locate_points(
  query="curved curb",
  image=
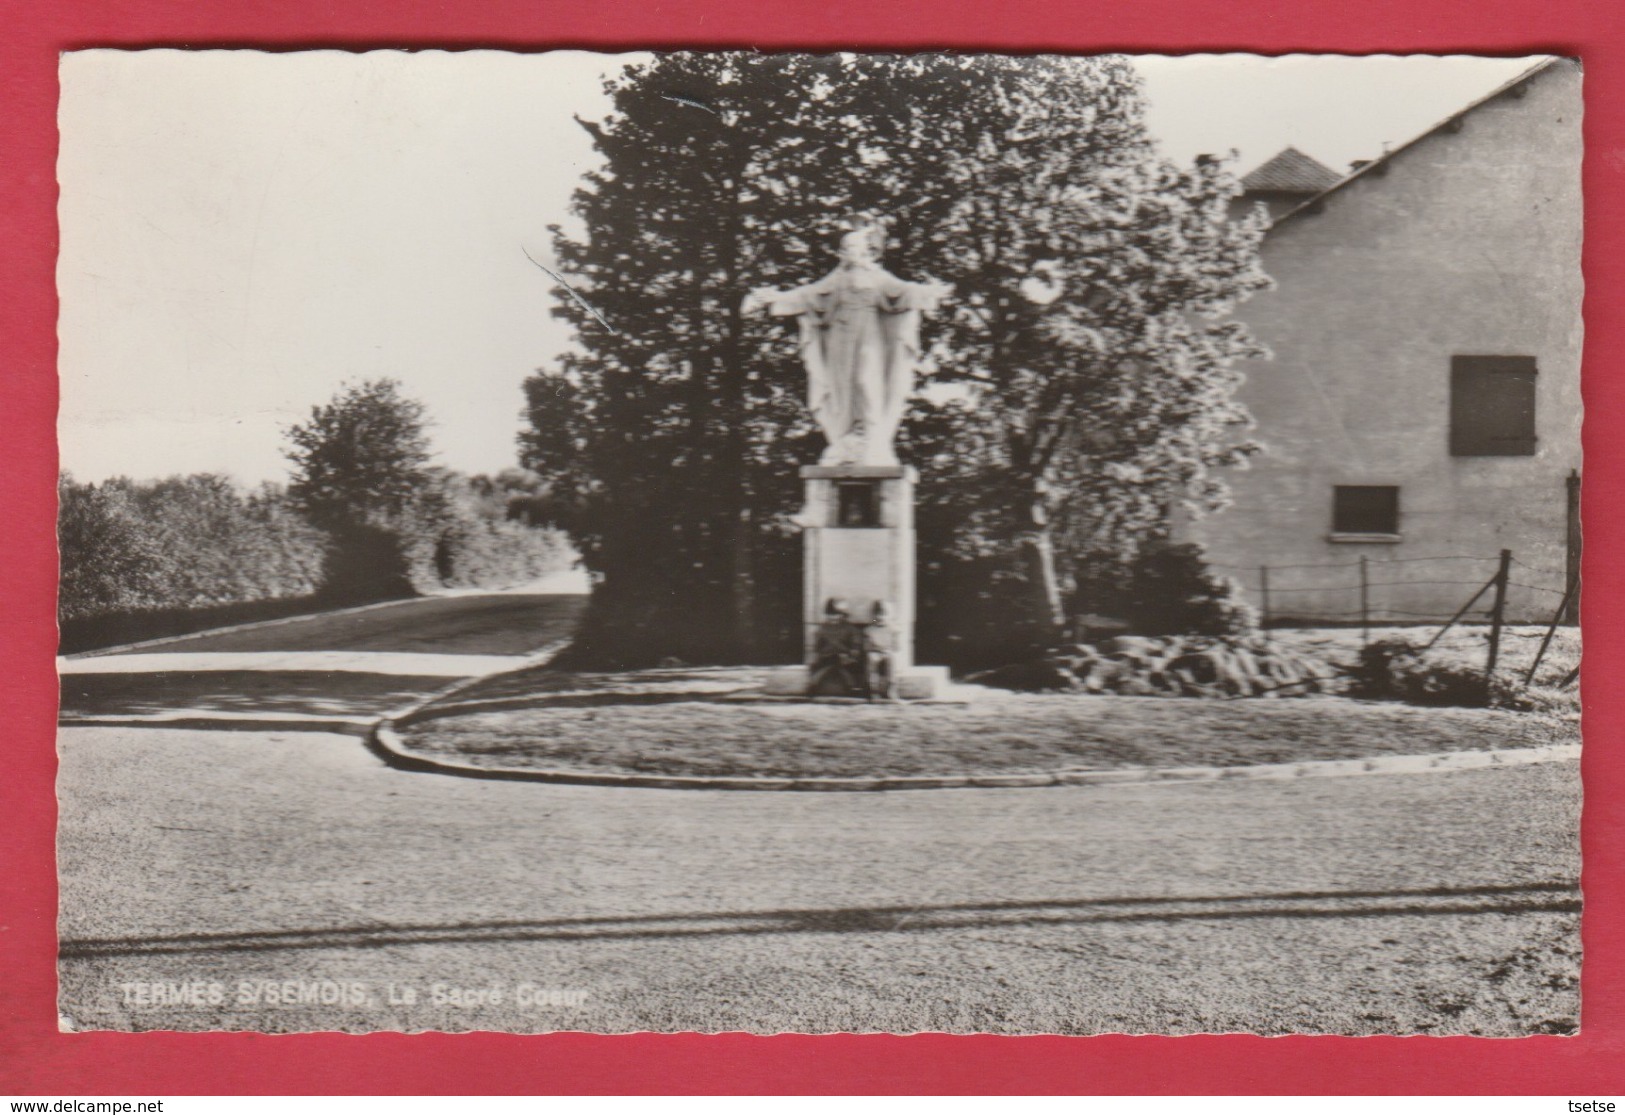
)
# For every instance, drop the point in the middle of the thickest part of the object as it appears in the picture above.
(412, 709)
(386, 743)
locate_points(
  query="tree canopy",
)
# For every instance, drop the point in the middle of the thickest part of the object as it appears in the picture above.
(363, 456)
(362, 473)
(1077, 386)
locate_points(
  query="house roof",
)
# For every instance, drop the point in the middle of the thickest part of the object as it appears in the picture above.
(1290, 172)
(1380, 166)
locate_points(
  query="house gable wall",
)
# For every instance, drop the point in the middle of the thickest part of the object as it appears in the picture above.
(1466, 243)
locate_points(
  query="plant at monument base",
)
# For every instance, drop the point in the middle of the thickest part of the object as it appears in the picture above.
(361, 472)
(1086, 353)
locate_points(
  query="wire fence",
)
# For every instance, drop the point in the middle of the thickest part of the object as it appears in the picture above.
(1542, 599)
(1369, 591)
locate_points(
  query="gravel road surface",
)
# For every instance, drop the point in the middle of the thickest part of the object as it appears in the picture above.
(278, 877)
(238, 863)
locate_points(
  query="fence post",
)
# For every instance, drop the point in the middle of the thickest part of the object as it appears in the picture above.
(1264, 599)
(1365, 611)
(1497, 611)
(1463, 610)
(1575, 541)
(1557, 618)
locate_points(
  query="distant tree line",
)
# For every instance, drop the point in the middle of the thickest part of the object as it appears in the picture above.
(366, 517)
(1079, 384)
(183, 542)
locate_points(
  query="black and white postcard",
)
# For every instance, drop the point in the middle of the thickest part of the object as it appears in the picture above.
(819, 543)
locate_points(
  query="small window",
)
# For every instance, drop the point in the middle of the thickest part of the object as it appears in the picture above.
(1365, 510)
(858, 503)
(1492, 406)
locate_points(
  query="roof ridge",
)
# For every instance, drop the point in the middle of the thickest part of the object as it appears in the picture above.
(1290, 170)
(1376, 165)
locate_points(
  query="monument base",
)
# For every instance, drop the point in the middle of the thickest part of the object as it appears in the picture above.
(858, 546)
(917, 683)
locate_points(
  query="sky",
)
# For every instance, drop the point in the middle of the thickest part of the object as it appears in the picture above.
(243, 232)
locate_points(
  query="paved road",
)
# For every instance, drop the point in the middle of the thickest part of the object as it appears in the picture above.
(245, 865)
(337, 672)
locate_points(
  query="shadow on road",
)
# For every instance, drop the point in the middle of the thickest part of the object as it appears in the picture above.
(1554, 897)
(267, 692)
(387, 657)
(460, 706)
(507, 623)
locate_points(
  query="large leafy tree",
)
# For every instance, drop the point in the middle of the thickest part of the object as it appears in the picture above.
(668, 442)
(1090, 334)
(363, 455)
(1082, 371)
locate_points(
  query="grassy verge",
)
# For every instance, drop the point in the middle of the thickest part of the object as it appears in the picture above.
(683, 722)
(1465, 645)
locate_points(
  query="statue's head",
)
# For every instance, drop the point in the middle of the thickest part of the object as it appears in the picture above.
(837, 607)
(862, 244)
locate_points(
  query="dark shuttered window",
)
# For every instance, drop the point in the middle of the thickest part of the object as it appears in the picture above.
(1492, 406)
(1365, 510)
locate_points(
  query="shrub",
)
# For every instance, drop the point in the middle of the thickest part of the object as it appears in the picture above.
(1169, 666)
(479, 538)
(1398, 670)
(975, 612)
(200, 543)
(181, 543)
(1167, 589)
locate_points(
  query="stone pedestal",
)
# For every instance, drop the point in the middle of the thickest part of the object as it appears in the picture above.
(858, 544)
(858, 539)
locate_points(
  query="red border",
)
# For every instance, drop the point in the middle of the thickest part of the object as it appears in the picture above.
(35, 1059)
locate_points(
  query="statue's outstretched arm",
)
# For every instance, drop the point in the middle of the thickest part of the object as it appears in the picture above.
(927, 295)
(901, 296)
(783, 303)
